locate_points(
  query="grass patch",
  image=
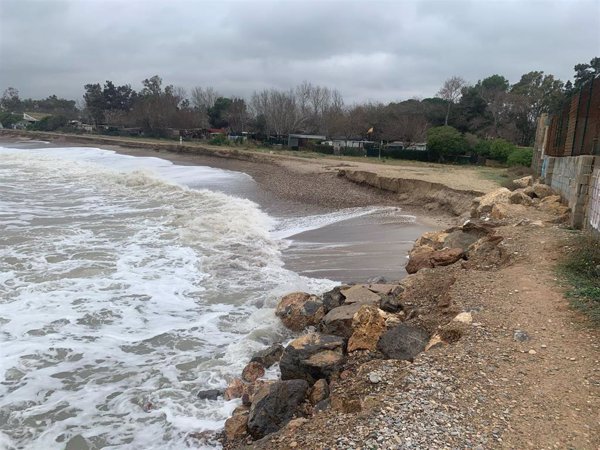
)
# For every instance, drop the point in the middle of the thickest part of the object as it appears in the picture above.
(581, 270)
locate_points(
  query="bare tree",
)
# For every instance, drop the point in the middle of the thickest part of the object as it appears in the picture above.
(203, 99)
(451, 92)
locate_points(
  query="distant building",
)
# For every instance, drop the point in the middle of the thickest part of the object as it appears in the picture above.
(34, 117)
(399, 145)
(79, 125)
(297, 141)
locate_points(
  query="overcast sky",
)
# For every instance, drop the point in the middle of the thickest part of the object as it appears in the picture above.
(369, 50)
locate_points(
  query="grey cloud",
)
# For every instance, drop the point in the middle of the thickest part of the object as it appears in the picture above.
(368, 50)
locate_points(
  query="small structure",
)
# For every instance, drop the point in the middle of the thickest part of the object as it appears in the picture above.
(297, 141)
(416, 146)
(34, 117)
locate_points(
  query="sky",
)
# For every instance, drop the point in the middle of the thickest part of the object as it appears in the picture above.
(368, 50)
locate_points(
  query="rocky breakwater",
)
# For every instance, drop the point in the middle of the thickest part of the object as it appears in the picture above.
(356, 338)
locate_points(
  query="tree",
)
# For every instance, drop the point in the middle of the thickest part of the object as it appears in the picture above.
(586, 72)
(218, 113)
(237, 115)
(493, 90)
(451, 91)
(444, 142)
(10, 101)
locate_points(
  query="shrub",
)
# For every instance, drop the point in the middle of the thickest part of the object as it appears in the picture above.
(325, 149)
(446, 141)
(50, 123)
(219, 139)
(520, 157)
(500, 149)
(396, 153)
(482, 148)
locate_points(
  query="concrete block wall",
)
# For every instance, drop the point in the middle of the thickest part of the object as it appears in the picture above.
(593, 218)
(575, 178)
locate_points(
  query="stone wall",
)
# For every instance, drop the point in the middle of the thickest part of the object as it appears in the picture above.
(576, 179)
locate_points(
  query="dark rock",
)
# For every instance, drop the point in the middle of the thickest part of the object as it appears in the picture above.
(274, 406)
(322, 405)
(403, 342)
(210, 394)
(333, 299)
(300, 310)
(312, 357)
(360, 294)
(390, 303)
(268, 356)
(338, 321)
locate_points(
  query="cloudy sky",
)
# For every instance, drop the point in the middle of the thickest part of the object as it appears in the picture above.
(369, 50)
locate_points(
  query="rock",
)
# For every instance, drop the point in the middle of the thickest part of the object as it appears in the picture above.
(338, 321)
(234, 390)
(520, 336)
(435, 341)
(236, 428)
(77, 442)
(403, 342)
(532, 352)
(333, 298)
(432, 239)
(374, 378)
(312, 357)
(486, 253)
(422, 260)
(359, 294)
(242, 409)
(268, 356)
(299, 310)
(464, 317)
(465, 236)
(390, 303)
(519, 198)
(529, 192)
(274, 406)
(542, 190)
(553, 205)
(322, 405)
(252, 372)
(209, 394)
(368, 324)
(487, 202)
(523, 182)
(319, 392)
(376, 280)
(386, 289)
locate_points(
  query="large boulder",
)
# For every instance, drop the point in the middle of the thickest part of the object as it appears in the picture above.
(403, 342)
(274, 406)
(333, 299)
(359, 294)
(312, 357)
(386, 288)
(299, 310)
(319, 392)
(520, 198)
(430, 259)
(523, 182)
(268, 356)
(236, 428)
(553, 205)
(542, 190)
(368, 324)
(252, 372)
(487, 202)
(338, 321)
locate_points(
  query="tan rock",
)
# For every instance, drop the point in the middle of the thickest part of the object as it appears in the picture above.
(486, 203)
(319, 392)
(422, 260)
(299, 310)
(464, 317)
(433, 239)
(236, 428)
(523, 182)
(542, 190)
(519, 198)
(502, 211)
(252, 372)
(234, 390)
(359, 294)
(368, 324)
(435, 341)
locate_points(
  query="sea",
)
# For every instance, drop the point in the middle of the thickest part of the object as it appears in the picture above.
(129, 284)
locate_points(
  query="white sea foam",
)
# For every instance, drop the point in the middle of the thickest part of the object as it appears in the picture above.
(123, 292)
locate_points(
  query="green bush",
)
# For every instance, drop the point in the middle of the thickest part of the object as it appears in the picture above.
(325, 149)
(352, 151)
(444, 142)
(50, 123)
(482, 148)
(520, 157)
(500, 149)
(219, 139)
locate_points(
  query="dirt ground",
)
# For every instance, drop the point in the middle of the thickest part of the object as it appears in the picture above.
(489, 390)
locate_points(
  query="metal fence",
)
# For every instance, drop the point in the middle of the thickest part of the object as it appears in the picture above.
(576, 129)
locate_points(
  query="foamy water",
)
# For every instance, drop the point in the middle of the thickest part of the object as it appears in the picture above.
(127, 285)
